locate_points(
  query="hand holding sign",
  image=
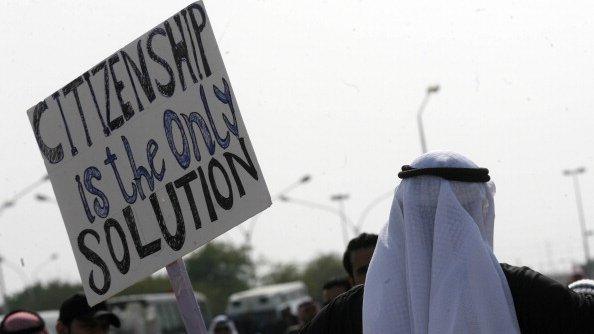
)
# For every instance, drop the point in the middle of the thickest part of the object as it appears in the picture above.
(148, 154)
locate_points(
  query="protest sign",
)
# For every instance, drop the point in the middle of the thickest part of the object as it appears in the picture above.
(148, 154)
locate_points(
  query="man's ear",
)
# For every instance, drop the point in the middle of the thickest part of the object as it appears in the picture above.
(61, 328)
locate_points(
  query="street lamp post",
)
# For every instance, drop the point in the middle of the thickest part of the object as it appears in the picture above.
(340, 198)
(22, 274)
(574, 173)
(11, 202)
(370, 206)
(430, 90)
(35, 273)
(314, 205)
(7, 204)
(249, 230)
(3, 294)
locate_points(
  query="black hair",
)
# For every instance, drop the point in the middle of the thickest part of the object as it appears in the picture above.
(364, 240)
(342, 281)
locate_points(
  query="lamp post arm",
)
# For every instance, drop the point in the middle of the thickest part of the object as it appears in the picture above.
(319, 206)
(370, 206)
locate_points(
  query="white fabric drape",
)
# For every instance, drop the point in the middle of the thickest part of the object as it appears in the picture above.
(433, 270)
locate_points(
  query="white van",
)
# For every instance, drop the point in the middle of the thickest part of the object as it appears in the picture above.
(51, 319)
(155, 313)
(257, 309)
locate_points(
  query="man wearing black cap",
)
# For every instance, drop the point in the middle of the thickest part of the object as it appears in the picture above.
(77, 317)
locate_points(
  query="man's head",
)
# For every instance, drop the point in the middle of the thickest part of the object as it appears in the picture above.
(222, 328)
(306, 311)
(221, 324)
(334, 288)
(22, 322)
(357, 257)
(77, 317)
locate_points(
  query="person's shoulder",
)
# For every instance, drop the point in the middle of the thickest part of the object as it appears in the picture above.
(344, 312)
(526, 277)
(510, 270)
(354, 295)
(526, 283)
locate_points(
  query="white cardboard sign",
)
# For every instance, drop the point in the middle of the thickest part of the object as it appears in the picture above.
(148, 155)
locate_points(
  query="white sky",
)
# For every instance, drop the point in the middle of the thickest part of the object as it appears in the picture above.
(331, 89)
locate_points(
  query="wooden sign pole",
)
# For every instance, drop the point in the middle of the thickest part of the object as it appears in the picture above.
(186, 300)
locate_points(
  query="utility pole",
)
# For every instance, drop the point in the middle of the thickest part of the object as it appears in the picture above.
(430, 90)
(340, 198)
(3, 306)
(574, 173)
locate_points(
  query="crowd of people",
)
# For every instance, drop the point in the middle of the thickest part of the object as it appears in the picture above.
(430, 270)
(76, 317)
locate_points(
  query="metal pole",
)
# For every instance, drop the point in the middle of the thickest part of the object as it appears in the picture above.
(578, 200)
(186, 300)
(370, 206)
(35, 273)
(420, 123)
(3, 206)
(11, 202)
(343, 222)
(3, 305)
(574, 173)
(314, 205)
(340, 198)
(430, 90)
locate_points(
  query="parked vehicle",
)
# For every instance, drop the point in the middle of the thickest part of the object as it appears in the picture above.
(50, 318)
(151, 313)
(259, 309)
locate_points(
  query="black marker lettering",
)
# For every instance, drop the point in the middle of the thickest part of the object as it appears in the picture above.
(123, 264)
(180, 52)
(73, 149)
(247, 166)
(206, 192)
(87, 77)
(184, 14)
(94, 258)
(142, 250)
(225, 202)
(198, 28)
(126, 107)
(176, 241)
(184, 182)
(73, 87)
(167, 89)
(142, 75)
(52, 154)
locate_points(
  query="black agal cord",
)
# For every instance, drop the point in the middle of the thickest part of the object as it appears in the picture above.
(448, 173)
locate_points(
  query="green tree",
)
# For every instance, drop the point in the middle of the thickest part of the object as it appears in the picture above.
(43, 297)
(219, 269)
(150, 284)
(282, 273)
(321, 269)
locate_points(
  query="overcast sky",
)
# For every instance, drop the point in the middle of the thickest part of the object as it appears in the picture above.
(331, 89)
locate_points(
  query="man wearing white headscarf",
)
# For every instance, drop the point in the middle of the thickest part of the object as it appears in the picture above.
(221, 324)
(434, 271)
